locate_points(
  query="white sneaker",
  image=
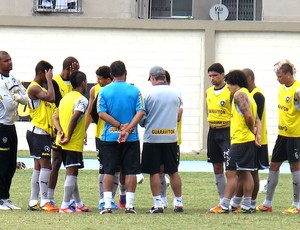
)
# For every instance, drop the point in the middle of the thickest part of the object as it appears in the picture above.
(140, 178)
(10, 205)
(3, 206)
(165, 202)
(167, 181)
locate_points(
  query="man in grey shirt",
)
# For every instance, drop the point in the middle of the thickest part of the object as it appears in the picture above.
(159, 154)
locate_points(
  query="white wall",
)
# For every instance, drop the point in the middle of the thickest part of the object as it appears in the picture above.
(287, 10)
(181, 53)
(260, 51)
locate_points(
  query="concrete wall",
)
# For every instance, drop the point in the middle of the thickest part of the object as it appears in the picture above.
(202, 8)
(109, 9)
(260, 51)
(90, 8)
(185, 48)
(16, 7)
(281, 10)
(140, 49)
(272, 10)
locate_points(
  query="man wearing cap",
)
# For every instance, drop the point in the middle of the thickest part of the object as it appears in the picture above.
(162, 104)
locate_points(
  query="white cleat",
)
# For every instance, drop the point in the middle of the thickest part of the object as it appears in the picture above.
(140, 178)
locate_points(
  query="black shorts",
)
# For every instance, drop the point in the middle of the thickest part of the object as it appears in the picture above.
(262, 157)
(218, 143)
(71, 158)
(97, 142)
(39, 145)
(57, 149)
(116, 155)
(241, 157)
(178, 155)
(286, 148)
(156, 154)
(99, 155)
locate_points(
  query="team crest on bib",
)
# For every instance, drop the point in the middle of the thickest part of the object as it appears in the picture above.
(47, 149)
(296, 154)
(287, 99)
(222, 103)
(14, 81)
(4, 139)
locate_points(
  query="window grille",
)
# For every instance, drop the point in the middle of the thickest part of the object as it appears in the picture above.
(171, 8)
(240, 9)
(64, 6)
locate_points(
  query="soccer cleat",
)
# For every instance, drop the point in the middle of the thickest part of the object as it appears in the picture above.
(48, 207)
(233, 208)
(263, 208)
(101, 206)
(73, 204)
(167, 181)
(66, 210)
(253, 210)
(106, 211)
(139, 178)
(10, 205)
(154, 210)
(242, 211)
(53, 203)
(83, 209)
(178, 209)
(114, 206)
(35, 207)
(130, 211)
(69, 210)
(20, 165)
(122, 202)
(218, 210)
(292, 210)
(165, 204)
(3, 206)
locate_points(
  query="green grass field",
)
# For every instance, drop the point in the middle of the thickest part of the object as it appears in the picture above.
(199, 194)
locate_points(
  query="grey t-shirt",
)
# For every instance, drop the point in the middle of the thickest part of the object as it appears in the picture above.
(162, 103)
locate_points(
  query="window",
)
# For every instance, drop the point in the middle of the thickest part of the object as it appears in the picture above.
(241, 9)
(171, 9)
(57, 6)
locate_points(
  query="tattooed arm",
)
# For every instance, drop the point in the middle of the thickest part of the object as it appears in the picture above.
(242, 101)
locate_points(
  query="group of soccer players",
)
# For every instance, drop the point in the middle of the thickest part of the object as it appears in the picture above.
(236, 113)
(61, 114)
